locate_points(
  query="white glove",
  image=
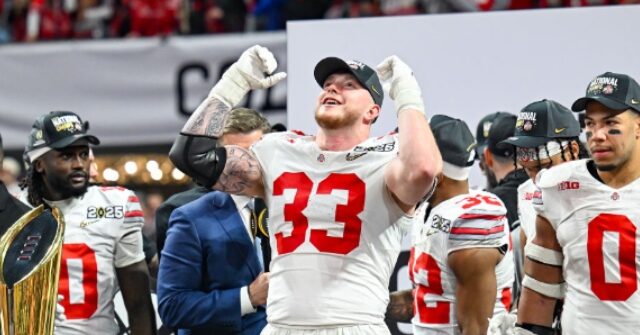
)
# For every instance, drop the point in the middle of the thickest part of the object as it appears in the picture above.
(60, 310)
(402, 86)
(253, 70)
(502, 324)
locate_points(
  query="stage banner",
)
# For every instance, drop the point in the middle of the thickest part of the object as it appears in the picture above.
(132, 92)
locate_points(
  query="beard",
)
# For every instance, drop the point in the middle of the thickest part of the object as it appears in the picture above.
(492, 181)
(334, 120)
(606, 167)
(64, 187)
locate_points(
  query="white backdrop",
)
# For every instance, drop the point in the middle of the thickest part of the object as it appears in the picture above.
(470, 65)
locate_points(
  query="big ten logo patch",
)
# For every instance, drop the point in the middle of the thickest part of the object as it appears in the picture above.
(108, 212)
(568, 185)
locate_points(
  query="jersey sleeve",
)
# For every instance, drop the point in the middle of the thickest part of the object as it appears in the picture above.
(526, 212)
(481, 223)
(129, 245)
(547, 183)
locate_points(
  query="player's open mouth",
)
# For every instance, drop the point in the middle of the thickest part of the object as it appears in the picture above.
(330, 101)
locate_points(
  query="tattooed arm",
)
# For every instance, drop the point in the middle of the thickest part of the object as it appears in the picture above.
(208, 119)
(196, 152)
(241, 174)
(400, 306)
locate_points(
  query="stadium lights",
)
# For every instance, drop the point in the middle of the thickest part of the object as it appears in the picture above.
(131, 167)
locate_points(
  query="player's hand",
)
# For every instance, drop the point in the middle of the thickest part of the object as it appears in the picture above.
(253, 70)
(502, 324)
(259, 289)
(60, 310)
(403, 88)
(256, 66)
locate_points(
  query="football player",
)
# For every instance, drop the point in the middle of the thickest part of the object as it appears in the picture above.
(102, 250)
(585, 248)
(461, 262)
(334, 198)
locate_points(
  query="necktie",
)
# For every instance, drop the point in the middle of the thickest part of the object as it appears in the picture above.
(261, 228)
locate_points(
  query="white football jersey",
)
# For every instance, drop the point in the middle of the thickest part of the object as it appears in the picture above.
(526, 213)
(102, 233)
(597, 228)
(474, 220)
(334, 236)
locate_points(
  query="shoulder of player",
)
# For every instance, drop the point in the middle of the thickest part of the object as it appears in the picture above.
(284, 136)
(527, 186)
(549, 179)
(478, 209)
(113, 194)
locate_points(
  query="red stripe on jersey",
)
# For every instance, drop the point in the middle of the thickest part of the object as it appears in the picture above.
(506, 298)
(477, 231)
(110, 188)
(132, 214)
(482, 217)
(133, 198)
(298, 132)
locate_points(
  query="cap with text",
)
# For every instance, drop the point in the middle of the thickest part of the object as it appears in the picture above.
(366, 76)
(482, 131)
(540, 122)
(56, 130)
(614, 90)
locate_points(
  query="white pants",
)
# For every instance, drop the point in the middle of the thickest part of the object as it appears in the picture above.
(350, 330)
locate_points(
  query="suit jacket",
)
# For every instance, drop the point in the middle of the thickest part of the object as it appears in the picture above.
(11, 209)
(164, 212)
(207, 258)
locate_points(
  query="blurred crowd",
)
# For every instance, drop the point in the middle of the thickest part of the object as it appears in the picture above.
(38, 20)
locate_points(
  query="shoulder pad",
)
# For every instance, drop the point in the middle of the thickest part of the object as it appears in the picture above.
(551, 177)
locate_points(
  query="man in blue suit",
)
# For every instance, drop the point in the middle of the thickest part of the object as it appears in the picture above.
(210, 279)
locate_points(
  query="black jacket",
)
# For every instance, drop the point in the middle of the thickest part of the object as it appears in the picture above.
(11, 209)
(507, 191)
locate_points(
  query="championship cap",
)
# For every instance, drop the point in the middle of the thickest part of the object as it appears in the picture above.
(482, 131)
(456, 144)
(501, 129)
(540, 122)
(366, 76)
(56, 130)
(614, 90)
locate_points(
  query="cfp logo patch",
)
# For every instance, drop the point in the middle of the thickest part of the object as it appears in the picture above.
(441, 224)
(385, 147)
(109, 212)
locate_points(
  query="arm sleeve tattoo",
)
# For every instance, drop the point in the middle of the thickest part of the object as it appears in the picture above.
(241, 172)
(208, 118)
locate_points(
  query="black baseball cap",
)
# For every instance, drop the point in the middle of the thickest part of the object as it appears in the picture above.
(541, 121)
(614, 90)
(366, 76)
(454, 139)
(56, 130)
(502, 128)
(482, 131)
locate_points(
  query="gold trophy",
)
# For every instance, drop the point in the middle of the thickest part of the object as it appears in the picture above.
(29, 269)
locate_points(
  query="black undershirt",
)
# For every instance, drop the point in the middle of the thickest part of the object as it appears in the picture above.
(591, 167)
